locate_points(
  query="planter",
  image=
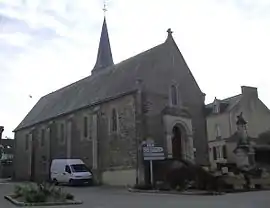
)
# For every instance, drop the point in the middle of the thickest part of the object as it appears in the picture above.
(23, 204)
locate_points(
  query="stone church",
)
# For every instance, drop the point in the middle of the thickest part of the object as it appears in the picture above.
(104, 118)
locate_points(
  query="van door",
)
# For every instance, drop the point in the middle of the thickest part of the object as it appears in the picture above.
(66, 174)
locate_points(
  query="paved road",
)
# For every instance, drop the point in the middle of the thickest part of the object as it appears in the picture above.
(98, 197)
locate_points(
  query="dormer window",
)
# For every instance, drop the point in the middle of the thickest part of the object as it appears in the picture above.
(216, 106)
(174, 97)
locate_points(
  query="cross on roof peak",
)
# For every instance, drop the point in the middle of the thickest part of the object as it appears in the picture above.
(169, 31)
(104, 7)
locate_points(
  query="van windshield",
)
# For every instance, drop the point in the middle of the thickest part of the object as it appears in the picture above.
(79, 168)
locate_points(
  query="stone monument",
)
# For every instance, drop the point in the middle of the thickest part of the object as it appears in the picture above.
(245, 153)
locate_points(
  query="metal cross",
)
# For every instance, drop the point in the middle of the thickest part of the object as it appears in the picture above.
(104, 6)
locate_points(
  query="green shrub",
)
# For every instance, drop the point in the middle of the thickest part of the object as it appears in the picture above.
(69, 196)
(18, 191)
(35, 196)
(34, 193)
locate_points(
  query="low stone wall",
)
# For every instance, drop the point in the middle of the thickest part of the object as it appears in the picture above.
(119, 177)
(237, 183)
(263, 182)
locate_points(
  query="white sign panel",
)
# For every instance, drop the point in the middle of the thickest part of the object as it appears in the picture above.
(153, 153)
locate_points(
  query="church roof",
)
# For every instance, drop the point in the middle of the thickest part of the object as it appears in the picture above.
(111, 82)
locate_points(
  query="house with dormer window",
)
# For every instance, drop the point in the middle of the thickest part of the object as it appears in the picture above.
(221, 117)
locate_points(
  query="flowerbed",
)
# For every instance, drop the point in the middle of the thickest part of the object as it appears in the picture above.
(40, 195)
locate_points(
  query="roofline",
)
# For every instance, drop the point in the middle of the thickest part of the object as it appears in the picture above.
(223, 100)
(87, 106)
(185, 63)
(226, 112)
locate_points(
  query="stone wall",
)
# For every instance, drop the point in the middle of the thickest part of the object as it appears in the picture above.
(114, 149)
(155, 103)
(21, 156)
(117, 150)
(157, 81)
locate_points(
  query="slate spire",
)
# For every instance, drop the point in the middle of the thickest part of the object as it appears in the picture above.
(104, 56)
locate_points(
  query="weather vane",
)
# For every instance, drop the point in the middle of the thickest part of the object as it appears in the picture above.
(104, 6)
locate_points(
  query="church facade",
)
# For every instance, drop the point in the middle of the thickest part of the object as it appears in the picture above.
(104, 118)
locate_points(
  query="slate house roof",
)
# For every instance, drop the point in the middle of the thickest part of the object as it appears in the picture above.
(105, 83)
(225, 105)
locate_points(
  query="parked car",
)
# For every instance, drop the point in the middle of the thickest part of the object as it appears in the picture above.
(70, 171)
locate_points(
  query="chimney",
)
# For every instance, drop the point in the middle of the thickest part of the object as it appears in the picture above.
(1, 131)
(249, 91)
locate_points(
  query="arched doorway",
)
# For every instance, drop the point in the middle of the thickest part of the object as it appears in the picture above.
(177, 143)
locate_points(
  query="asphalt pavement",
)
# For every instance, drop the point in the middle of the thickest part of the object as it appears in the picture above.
(109, 197)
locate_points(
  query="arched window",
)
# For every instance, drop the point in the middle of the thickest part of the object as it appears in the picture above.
(174, 100)
(114, 120)
(85, 126)
(42, 140)
(61, 133)
(26, 141)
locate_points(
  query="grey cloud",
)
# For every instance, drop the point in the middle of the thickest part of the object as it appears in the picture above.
(8, 49)
(13, 25)
(254, 8)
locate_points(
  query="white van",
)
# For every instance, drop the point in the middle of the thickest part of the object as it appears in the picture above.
(70, 171)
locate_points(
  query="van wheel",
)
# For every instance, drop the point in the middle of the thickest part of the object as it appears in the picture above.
(71, 182)
(55, 182)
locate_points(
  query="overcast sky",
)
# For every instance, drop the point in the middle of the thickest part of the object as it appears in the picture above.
(47, 44)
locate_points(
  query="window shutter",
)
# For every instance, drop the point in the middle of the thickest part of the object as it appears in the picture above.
(174, 95)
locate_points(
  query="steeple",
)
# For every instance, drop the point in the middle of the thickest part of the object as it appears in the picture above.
(104, 56)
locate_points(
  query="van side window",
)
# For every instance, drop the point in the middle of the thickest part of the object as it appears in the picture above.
(67, 169)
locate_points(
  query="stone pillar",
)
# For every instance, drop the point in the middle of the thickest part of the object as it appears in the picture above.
(169, 145)
(141, 131)
(69, 138)
(94, 143)
(30, 143)
(190, 148)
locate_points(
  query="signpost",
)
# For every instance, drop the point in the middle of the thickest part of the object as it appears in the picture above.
(150, 153)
